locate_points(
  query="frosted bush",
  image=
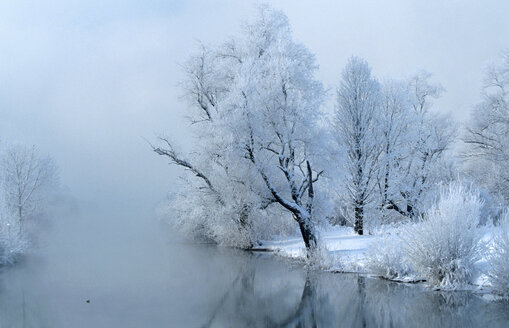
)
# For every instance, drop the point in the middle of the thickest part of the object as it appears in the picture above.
(386, 258)
(499, 259)
(445, 244)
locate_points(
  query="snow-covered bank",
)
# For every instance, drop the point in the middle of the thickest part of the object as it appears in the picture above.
(349, 252)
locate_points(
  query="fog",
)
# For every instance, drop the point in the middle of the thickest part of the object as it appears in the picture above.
(89, 81)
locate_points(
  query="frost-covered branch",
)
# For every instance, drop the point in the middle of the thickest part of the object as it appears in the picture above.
(175, 159)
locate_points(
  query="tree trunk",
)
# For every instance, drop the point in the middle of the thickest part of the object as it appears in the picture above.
(359, 220)
(245, 225)
(410, 210)
(308, 234)
(20, 214)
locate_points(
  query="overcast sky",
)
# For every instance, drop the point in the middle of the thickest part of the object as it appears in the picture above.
(88, 80)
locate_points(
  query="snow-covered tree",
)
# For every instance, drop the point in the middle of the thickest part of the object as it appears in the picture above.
(25, 175)
(487, 136)
(257, 104)
(358, 102)
(217, 199)
(432, 135)
(277, 103)
(394, 125)
(394, 146)
(414, 144)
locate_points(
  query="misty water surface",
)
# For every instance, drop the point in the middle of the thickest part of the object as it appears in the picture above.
(135, 275)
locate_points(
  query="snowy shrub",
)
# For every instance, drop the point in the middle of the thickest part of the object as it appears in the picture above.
(319, 257)
(445, 244)
(499, 259)
(386, 258)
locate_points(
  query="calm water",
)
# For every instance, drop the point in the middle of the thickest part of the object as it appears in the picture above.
(135, 277)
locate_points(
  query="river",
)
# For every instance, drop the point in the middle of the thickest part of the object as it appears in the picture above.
(125, 270)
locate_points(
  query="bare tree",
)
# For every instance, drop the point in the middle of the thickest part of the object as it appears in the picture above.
(394, 125)
(487, 136)
(26, 173)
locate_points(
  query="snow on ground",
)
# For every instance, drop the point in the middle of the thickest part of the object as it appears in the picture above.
(348, 252)
(346, 249)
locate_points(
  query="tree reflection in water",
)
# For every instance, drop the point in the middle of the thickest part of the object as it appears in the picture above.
(267, 295)
(222, 287)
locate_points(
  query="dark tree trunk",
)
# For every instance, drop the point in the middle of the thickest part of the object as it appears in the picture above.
(307, 234)
(359, 199)
(359, 220)
(245, 224)
(244, 217)
(20, 218)
(410, 210)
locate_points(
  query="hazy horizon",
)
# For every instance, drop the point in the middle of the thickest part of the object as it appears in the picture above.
(89, 81)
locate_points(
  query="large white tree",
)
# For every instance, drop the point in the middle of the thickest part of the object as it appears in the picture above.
(277, 102)
(256, 105)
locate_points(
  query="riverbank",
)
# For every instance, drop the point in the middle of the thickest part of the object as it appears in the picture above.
(347, 252)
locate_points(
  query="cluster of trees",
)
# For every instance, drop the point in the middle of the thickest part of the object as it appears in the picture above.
(394, 147)
(26, 178)
(268, 161)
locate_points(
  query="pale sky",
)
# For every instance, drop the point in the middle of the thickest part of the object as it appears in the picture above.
(88, 80)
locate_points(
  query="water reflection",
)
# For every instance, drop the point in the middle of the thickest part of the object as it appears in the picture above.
(135, 277)
(268, 295)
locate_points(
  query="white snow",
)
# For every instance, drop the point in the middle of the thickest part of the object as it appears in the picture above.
(345, 248)
(349, 252)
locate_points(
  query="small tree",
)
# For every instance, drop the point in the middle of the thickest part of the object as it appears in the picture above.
(25, 174)
(394, 124)
(487, 136)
